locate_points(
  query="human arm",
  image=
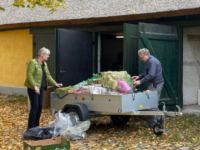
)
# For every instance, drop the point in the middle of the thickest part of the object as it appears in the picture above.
(151, 72)
(30, 76)
(135, 77)
(50, 79)
(138, 77)
(37, 91)
(30, 72)
(136, 83)
(141, 75)
(59, 85)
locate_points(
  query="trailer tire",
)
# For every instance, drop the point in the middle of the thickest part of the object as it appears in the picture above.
(120, 120)
(74, 115)
(156, 128)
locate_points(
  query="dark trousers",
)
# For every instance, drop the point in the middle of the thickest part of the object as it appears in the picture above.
(36, 108)
(152, 120)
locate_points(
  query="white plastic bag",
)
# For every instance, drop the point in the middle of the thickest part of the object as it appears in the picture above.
(61, 123)
(63, 126)
(77, 131)
(104, 91)
(93, 89)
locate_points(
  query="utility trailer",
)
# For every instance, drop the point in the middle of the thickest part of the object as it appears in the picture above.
(82, 107)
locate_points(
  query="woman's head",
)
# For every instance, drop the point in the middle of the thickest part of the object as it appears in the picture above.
(44, 53)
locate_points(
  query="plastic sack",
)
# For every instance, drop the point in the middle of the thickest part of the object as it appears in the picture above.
(38, 133)
(75, 136)
(78, 92)
(77, 131)
(124, 87)
(63, 126)
(61, 123)
(104, 91)
(93, 89)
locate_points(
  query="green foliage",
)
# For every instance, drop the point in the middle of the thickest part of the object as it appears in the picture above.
(51, 4)
(2, 8)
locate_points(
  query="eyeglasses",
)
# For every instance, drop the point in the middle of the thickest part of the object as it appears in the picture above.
(142, 57)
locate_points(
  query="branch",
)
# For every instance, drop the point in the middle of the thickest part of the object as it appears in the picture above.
(1, 8)
(51, 4)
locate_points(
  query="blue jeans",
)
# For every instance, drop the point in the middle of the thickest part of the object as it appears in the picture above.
(36, 107)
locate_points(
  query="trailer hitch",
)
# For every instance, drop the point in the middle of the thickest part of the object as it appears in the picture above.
(179, 113)
(179, 109)
(164, 107)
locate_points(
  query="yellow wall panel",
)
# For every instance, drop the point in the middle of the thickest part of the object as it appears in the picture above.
(16, 48)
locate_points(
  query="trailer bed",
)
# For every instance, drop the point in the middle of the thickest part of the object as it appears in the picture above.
(108, 103)
(119, 107)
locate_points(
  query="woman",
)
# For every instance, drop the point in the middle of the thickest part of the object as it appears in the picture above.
(36, 82)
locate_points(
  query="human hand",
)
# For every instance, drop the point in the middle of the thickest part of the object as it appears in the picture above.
(135, 77)
(136, 83)
(37, 91)
(59, 85)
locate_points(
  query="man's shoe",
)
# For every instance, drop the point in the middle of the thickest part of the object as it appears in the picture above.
(148, 126)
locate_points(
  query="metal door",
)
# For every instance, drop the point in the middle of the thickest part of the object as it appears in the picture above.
(74, 56)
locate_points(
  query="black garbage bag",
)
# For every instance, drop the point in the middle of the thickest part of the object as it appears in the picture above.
(38, 133)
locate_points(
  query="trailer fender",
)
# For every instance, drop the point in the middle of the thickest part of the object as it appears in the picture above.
(82, 110)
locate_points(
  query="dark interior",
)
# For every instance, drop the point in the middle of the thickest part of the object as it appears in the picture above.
(111, 51)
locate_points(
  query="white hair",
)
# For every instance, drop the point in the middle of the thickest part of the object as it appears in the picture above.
(143, 51)
(43, 51)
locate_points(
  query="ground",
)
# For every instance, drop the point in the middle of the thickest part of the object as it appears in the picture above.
(181, 132)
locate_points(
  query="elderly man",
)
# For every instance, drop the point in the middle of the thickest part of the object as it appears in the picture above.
(153, 75)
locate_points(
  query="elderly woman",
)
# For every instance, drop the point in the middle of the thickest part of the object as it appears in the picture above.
(36, 82)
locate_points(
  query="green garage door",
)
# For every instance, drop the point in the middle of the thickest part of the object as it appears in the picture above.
(165, 43)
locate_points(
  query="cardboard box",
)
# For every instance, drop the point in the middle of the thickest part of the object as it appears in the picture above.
(57, 143)
(46, 98)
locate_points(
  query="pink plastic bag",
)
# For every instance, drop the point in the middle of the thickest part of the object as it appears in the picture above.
(78, 92)
(123, 86)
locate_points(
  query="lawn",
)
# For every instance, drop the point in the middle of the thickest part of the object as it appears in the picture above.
(181, 133)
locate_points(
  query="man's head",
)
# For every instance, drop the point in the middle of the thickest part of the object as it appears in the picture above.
(143, 54)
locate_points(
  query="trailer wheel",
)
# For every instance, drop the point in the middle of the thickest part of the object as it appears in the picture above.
(120, 120)
(74, 115)
(156, 128)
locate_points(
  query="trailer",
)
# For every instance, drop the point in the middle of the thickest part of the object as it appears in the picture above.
(82, 107)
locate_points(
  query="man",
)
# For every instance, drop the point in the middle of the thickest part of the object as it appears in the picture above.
(152, 75)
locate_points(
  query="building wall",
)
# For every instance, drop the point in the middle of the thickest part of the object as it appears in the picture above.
(191, 65)
(15, 50)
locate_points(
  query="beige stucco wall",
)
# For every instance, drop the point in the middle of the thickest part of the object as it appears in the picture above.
(191, 65)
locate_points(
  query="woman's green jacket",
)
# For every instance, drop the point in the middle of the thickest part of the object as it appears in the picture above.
(34, 74)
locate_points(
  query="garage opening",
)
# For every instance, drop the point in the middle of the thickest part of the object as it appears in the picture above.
(111, 51)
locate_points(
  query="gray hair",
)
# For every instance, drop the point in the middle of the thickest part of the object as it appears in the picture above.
(43, 51)
(143, 51)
